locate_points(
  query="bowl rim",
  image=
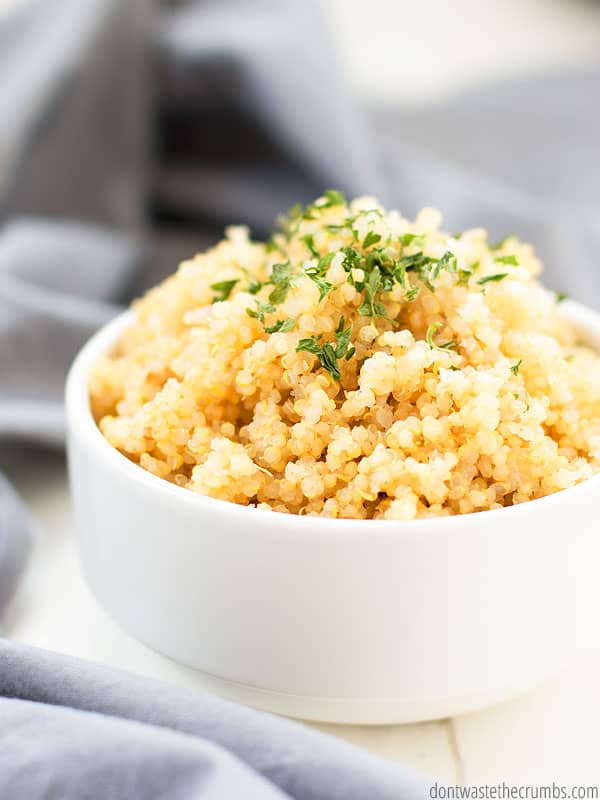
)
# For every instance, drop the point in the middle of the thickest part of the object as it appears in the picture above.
(82, 426)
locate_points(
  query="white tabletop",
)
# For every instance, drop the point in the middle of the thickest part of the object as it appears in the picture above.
(549, 734)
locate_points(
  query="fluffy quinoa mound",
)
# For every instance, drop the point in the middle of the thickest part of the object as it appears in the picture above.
(357, 365)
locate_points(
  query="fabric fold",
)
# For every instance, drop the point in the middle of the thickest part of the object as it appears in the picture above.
(302, 763)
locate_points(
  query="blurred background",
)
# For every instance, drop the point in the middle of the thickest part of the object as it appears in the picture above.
(425, 52)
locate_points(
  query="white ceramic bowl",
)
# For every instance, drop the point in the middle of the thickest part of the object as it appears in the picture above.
(336, 620)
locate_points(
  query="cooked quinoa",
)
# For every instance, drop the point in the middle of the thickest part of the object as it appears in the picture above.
(358, 365)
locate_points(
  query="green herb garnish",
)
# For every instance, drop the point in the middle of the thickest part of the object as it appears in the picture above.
(492, 278)
(324, 286)
(342, 335)
(224, 289)
(510, 259)
(515, 367)
(370, 239)
(333, 197)
(431, 331)
(309, 241)
(283, 278)
(327, 354)
(412, 238)
(282, 325)
(370, 307)
(447, 262)
(254, 286)
(260, 310)
(561, 297)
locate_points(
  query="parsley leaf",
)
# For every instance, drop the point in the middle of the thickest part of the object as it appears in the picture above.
(261, 310)
(311, 345)
(325, 261)
(309, 241)
(447, 261)
(463, 276)
(283, 278)
(515, 367)
(510, 259)
(283, 325)
(368, 308)
(327, 354)
(342, 337)
(412, 238)
(431, 331)
(254, 286)
(333, 197)
(224, 289)
(492, 278)
(370, 239)
(324, 286)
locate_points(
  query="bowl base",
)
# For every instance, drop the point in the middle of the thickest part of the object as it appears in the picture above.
(357, 711)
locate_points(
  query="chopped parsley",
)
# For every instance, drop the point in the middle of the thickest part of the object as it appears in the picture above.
(498, 276)
(317, 272)
(283, 278)
(431, 331)
(282, 325)
(515, 367)
(333, 197)
(260, 310)
(254, 286)
(374, 264)
(463, 276)
(510, 259)
(447, 261)
(407, 239)
(223, 289)
(561, 297)
(324, 286)
(327, 353)
(370, 239)
(309, 241)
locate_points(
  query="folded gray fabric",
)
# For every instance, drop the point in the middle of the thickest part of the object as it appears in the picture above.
(78, 731)
(253, 102)
(74, 107)
(16, 530)
(55, 283)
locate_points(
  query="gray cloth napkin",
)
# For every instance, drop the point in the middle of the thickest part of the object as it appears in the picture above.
(77, 731)
(119, 154)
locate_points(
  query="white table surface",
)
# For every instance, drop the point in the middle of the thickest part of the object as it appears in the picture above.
(552, 733)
